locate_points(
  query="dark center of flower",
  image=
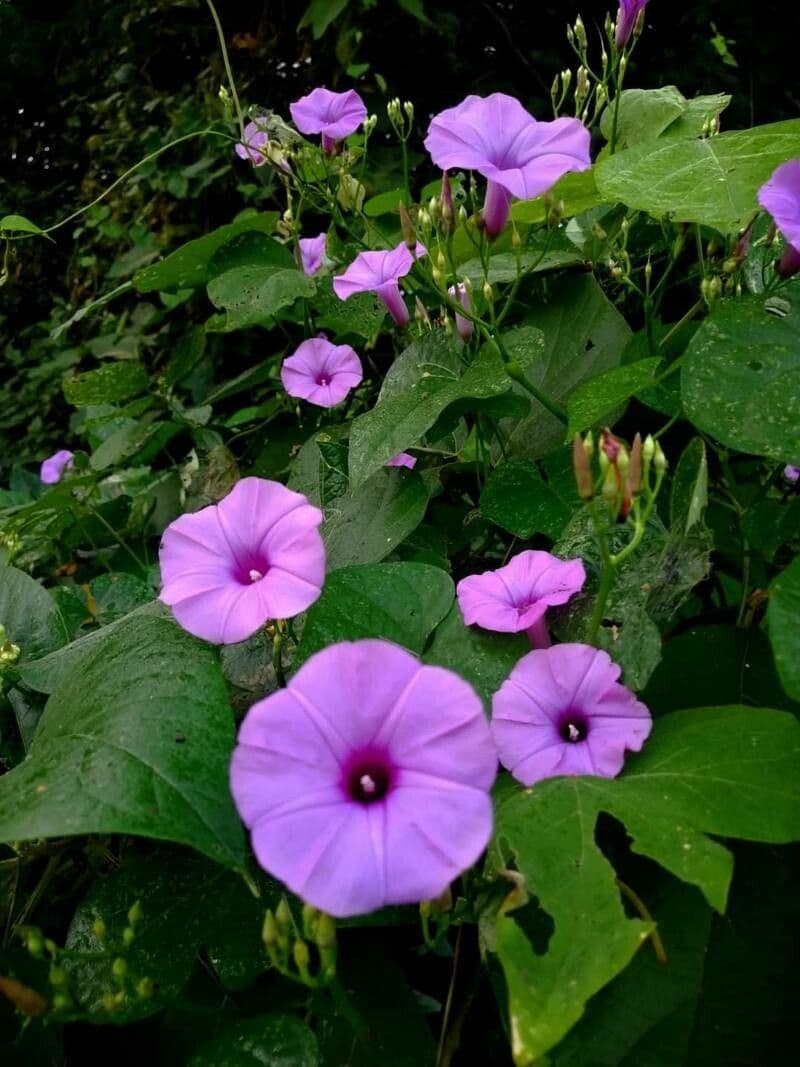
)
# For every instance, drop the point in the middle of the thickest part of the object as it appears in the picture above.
(573, 727)
(322, 379)
(369, 780)
(251, 570)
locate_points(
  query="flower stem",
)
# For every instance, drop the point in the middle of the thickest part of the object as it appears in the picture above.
(277, 649)
(641, 907)
(227, 62)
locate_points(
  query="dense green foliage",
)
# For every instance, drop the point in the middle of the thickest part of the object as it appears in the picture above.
(634, 921)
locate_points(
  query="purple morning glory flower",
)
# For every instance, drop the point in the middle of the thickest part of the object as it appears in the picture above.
(780, 196)
(378, 272)
(516, 597)
(312, 253)
(255, 139)
(464, 326)
(518, 156)
(626, 19)
(321, 373)
(229, 568)
(563, 711)
(365, 782)
(334, 115)
(791, 474)
(403, 459)
(54, 466)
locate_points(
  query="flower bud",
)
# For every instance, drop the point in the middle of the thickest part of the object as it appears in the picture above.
(580, 32)
(301, 954)
(62, 1002)
(325, 937)
(610, 489)
(516, 240)
(582, 469)
(310, 915)
(409, 236)
(369, 124)
(635, 468)
(408, 107)
(659, 460)
(488, 292)
(145, 988)
(648, 449)
(623, 461)
(555, 91)
(135, 912)
(447, 206)
(58, 976)
(128, 936)
(119, 968)
(34, 942)
(99, 929)
(269, 931)
(109, 1002)
(283, 914)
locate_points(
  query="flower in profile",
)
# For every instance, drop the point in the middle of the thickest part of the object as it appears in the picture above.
(627, 15)
(53, 467)
(365, 782)
(312, 253)
(516, 597)
(321, 373)
(791, 474)
(464, 326)
(334, 115)
(562, 710)
(518, 156)
(403, 459)
(379, 272)
(229, 568)
(253, 145)
(780, 196)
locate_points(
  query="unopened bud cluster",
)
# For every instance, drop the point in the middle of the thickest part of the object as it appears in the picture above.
(9, 652)
(625, 472)
(306, 954)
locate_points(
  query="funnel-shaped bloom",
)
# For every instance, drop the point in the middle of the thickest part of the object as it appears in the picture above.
(518, 156)
(365, 782)
(791, 474)
(54, 466)
(321, 373)
(334, 115)
(255, 556)
(312, 253)
(516, 597)
(403, 459)
(378, 272)
(626, 19)
(253, 145)
(780, 196)
(563, 711)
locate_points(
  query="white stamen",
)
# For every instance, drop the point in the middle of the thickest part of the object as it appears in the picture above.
(367, 783)
(573, 731)
(255, 576)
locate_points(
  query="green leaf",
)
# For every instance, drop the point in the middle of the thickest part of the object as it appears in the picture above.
(596, 398)
(362, 314)
(367, 525)
(141, 439)
(116, 595)
(19, 224)
(729, 771)
(387, 203)
(717, 662)
(712, 181)
(320, 14)
(517, 498)
(403, 416)
(689, 491)
(584, 335)
(260, 1041)
(648, 113)
(252, 295)
(108, 384)
(484, 659)
(577, 191)
(549, 252)
(30, 616)
(187, 903)
(135, 740)
(783, 623)
(187, 266)
(401, 602)
(740, 380)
